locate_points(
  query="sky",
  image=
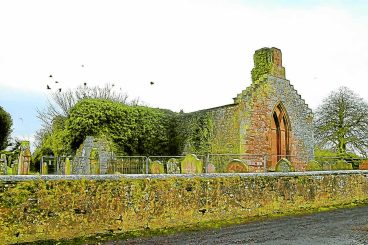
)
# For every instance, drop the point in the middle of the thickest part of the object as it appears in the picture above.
(199, 54)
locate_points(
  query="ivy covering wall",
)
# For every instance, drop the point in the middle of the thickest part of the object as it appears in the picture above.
(135, 130)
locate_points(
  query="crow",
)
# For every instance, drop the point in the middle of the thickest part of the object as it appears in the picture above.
(85, 84)
(152, 83)
(50, 76)
(48, 87)
(59, 90)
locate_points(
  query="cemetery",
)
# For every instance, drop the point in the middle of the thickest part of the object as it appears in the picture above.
(139, 170)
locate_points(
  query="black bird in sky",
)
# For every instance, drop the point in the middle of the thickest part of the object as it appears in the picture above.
(50, 76)
(85, 84)
(48, 87)
(56, 82)
(59, 90)
(152, 83)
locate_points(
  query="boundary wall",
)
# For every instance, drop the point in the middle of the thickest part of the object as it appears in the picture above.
(65, 207)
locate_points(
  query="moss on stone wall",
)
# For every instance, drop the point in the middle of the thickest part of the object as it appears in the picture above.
(209, 131)
(55, 209)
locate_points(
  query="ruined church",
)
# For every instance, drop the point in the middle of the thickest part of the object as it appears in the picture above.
(267, 118)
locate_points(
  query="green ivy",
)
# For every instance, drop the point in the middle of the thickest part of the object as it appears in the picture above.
(136, 130)
(262, 63)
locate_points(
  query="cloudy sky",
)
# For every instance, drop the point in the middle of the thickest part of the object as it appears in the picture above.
(198, 53)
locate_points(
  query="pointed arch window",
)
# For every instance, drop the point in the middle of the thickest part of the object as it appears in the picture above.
(280, 133)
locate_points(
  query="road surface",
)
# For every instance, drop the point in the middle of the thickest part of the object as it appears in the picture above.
(342, 226)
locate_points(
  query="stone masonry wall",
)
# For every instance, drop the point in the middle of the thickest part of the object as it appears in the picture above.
(257, 103)
(36, 208)
(245, 126)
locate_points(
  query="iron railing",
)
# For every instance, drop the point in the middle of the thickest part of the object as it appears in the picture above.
(211, 163)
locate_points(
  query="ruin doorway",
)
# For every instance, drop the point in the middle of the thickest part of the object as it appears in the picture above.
(280, 131)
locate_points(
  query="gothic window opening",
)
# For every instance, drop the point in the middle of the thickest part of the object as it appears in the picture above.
(280, 131)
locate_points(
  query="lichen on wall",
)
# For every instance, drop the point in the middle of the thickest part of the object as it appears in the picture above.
(244, 127)
(53, 209)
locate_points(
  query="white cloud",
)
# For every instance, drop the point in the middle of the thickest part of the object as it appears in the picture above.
(198, 53)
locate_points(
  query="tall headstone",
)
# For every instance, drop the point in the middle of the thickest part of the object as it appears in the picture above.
(68, 167)
(24, 159)
(3, 164)
(94, 161)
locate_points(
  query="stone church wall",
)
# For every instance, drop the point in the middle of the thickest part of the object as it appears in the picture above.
(245, 126)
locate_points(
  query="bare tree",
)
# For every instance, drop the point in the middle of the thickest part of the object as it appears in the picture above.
(61, 102)
(341, 122)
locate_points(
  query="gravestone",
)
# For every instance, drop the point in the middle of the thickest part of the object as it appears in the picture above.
(283, 165)
(363, 165)
(172, 166)
(68, 167)
(211, 168)
(3, 164)
(24, 158)
(237, 166)
(94, 161)
(44, 167)
(156, 167)
(191, 165)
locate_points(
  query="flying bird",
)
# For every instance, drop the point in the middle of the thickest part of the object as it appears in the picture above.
(152, 83)
(85, 84)
(50, 76)
(59, 90)
(56, 82)
(48, 87)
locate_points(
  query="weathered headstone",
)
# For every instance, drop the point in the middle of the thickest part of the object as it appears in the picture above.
(94, 161)
(68, 167)
(172, 166)
(24, 158)
(44, 167)
(191, 165)
(237, 166)
(283, 165)
(363, 165)
(3, 164)
(313, 166)
(14, 167)
(211, 168)
(156, 167)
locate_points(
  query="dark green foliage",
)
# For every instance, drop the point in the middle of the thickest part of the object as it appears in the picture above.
(136, 130)
(5, 128)
(341, 123)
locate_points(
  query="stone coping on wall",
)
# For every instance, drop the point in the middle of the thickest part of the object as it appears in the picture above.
(17, 178)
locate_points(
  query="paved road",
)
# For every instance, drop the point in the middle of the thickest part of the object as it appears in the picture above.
(343, 226)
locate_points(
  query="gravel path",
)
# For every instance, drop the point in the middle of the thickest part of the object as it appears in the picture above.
(342, 226)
